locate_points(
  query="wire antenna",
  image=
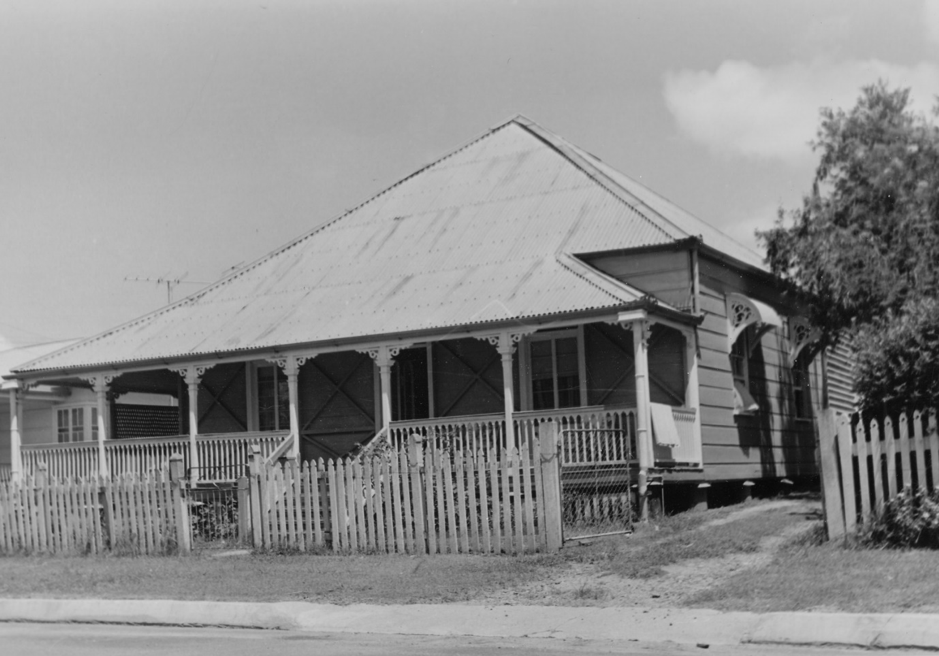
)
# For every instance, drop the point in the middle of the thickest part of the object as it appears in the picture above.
(170, 282)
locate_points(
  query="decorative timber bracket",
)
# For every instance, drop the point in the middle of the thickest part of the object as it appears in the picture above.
(291, 363)
(193, 373)
(384, 354)
(99, 382)
(505, 342)
(801, 334)
(742, 312)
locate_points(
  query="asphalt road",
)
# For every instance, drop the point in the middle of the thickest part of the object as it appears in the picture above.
(104, 640)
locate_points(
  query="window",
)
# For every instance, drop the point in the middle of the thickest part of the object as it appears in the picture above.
(739, 360)
(70, 425)
(744, 402)
(801, 390)
(409, 385)
(64, 425)
(94, 424)
(273, 399)
(555, 370)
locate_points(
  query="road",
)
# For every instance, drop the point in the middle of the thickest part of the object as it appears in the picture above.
(104, 640)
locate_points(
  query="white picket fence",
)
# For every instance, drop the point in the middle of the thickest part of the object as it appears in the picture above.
(866, 463)
(412, 500)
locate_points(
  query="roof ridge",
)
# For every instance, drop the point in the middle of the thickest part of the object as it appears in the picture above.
(561, 145)
(658, 195)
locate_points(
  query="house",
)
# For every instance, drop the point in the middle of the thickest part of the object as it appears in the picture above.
(514, 280)
(69, 415)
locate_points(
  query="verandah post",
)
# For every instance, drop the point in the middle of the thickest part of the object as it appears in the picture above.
(100, 383)
(506, 349)
(16, 459)
(640, 330)
(193, 376)
(551, 481)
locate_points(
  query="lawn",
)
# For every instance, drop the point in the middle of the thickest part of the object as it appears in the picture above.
(735, 558)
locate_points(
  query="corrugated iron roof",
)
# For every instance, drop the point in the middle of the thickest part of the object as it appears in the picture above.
(653, 205)
(10, 358)
(484, 234)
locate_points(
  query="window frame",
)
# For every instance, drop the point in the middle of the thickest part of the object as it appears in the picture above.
(746, 341)
(801, 372)
(278, 378)
(83, 431)
(525, 368)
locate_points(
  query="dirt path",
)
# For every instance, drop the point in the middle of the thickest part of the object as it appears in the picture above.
(589, 584)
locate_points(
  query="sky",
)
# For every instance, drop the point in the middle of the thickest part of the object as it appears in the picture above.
(144, 141)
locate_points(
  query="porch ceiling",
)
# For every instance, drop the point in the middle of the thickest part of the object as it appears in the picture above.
(483, 235)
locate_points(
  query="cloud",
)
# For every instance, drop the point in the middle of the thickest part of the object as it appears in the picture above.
(742, 224)
(772, 112)
(931, 19)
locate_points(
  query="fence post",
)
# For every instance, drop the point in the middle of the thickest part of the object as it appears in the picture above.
(831, 490)
(254, 495)
(417, 497)
(180, 504)
(551, 480)
(244, 512)
(105, 499)
(45, 523)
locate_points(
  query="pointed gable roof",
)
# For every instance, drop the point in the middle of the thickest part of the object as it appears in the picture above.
(484, 234)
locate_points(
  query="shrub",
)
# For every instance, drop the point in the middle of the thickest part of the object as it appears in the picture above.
(909, 520)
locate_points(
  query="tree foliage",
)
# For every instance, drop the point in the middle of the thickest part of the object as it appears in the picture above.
(864, 246)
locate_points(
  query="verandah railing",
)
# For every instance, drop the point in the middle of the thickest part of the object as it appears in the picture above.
(478, 433)
(222, 456)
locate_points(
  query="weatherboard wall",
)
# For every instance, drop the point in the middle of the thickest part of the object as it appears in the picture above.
(666, 275)
(771, 442)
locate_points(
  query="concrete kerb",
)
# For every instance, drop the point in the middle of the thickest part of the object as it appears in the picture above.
(682, 626)
(242, 615)
(883, 631)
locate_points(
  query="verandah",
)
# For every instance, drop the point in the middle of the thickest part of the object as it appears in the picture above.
(323, 403)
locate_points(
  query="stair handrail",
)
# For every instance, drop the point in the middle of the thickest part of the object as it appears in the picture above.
(280, 451)
(379, 441)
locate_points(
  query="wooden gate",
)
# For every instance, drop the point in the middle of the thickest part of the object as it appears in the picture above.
(595, 482)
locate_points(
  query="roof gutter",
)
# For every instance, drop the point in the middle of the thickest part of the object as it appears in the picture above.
(677, 245)
(646, 303)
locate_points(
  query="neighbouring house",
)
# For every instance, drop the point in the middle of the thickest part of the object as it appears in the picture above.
(69, 415)
(515, 280)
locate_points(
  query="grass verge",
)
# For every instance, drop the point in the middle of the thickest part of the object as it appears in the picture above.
(830, 577)
(379, 579)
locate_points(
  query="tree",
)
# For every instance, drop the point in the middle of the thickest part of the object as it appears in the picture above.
(864, 247)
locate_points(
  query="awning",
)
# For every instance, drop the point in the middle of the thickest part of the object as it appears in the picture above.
(743, 311)
(664, 429)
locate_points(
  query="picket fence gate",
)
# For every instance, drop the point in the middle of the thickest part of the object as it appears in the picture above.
(130, 514)
(866, 463)
(415, 501)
